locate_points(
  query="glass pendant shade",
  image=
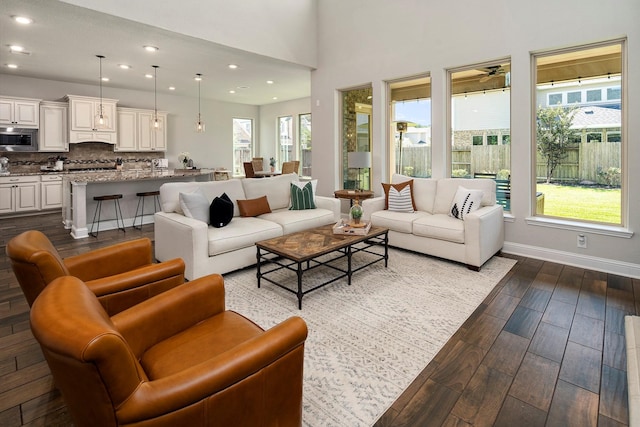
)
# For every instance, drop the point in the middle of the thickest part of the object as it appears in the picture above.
(156, 124)
(101, 121)
(199, 125)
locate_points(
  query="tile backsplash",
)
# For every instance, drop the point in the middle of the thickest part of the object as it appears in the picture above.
(83, 155)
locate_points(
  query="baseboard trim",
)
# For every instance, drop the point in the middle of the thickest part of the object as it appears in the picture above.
(588, 262)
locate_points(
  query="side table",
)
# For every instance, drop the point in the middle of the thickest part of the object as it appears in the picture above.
(353, 195)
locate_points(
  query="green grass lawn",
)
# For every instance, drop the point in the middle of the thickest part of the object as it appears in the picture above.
(585, 203)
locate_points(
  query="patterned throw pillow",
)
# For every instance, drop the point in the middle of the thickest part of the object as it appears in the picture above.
(398, 187)
(465, 202)
(221, 211)
(400, 201)
(302, 198)
(254, 207)
(195, 205)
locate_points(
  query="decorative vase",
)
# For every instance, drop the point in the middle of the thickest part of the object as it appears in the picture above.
(355, 212)
(273, 168)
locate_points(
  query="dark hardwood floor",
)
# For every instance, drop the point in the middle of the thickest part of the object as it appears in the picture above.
(545, 348)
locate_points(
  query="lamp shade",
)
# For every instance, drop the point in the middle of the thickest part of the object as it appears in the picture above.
(359, 159)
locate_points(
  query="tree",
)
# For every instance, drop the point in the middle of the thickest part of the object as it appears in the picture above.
(553, 135)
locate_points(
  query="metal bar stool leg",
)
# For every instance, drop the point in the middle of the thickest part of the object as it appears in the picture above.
(140, 200)
(118, 211)
(97, 212)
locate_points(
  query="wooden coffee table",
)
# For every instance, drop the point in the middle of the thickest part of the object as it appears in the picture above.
(299, 252)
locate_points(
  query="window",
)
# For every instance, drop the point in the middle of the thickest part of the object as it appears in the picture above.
(480, 97)
(285, 138)
(410, 127)
(356, 135)
(555, 98)
(574, 97)
(242, 144)
(613, 93)
(580, 181)
(594, 95)
(304, 138)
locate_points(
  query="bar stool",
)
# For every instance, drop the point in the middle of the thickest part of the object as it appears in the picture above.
(119, 218)
(141, 197)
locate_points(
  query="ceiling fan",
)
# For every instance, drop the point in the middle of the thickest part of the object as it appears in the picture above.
(491, 72)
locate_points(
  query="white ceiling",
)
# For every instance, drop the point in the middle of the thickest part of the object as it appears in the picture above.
(64, 40)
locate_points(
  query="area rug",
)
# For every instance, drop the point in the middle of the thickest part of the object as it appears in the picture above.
(367, 342)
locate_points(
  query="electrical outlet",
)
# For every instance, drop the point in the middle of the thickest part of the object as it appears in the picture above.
(582, 241)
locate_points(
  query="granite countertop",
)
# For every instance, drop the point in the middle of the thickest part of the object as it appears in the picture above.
(130, 175)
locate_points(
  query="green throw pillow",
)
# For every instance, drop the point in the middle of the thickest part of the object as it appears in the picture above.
(302, 197)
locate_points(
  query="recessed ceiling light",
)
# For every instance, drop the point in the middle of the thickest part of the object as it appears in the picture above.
(22, 20)
(269, 82)
(124, 66)
(149, 48)
(233, 66)
(172, 88)
(12, 66)
(149, 76)
(105, 79)
(232, 91)
(275, 97)
(198, 77)
(16, 48)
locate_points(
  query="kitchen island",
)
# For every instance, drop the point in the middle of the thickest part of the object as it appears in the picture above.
(79, 190)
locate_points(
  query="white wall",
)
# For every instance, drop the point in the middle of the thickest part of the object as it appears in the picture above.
(372, 41)
(269, 123)
(211, 149)
(283, 29)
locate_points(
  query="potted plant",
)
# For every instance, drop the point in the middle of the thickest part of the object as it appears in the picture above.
(272, 163)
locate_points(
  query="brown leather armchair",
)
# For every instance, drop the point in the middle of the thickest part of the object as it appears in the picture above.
(120, 275)
(177, 359)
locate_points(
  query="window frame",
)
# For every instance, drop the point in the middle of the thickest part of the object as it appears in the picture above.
(239, 169)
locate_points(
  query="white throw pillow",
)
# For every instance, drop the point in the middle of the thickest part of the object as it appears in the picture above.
(465, 202)
(195, 205)
(400, 201)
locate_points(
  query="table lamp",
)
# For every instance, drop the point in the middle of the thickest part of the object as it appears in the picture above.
(359, 160)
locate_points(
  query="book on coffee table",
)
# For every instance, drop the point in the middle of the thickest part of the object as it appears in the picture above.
(346, 227)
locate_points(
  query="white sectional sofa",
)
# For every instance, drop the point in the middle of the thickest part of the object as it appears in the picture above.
(206, 249)
(431, 230)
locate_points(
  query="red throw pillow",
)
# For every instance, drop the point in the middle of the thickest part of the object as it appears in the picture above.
(254, 207)
(398, 187)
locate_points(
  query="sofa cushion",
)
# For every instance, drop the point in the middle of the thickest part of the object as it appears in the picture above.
(398, 187)
(465, 202)
(302, 197)
(441, 227)
(242, 232)
(447, 188)
(221, 211)
(277, 189)
(254, 207)
(195, 205)
(424, 191)
(293, 221)
(169, 193)
(401, 222)
(400, 201)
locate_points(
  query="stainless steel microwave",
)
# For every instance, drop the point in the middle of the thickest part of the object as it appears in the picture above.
(15, 139)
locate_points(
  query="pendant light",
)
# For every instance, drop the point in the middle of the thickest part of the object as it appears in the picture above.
(155, 124)
(101, 120)
(199, 122)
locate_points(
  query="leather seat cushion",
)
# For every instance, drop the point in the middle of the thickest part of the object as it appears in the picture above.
(241, 232)
(440, 226)
(402, 222)
(198, 344)
(298, 220)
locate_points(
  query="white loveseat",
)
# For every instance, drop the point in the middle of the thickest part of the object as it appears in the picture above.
(206, 249)
(431, 230)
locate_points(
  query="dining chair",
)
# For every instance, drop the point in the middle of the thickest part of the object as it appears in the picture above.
(258, 164)
(248, 170)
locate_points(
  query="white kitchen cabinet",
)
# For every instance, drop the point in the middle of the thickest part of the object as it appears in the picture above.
(53, 135)
(19, 193)
(135, 131)
(50, 191)
(22, 112)
(83, 127)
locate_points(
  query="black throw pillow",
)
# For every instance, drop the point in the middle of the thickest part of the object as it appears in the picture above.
(221, 211)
